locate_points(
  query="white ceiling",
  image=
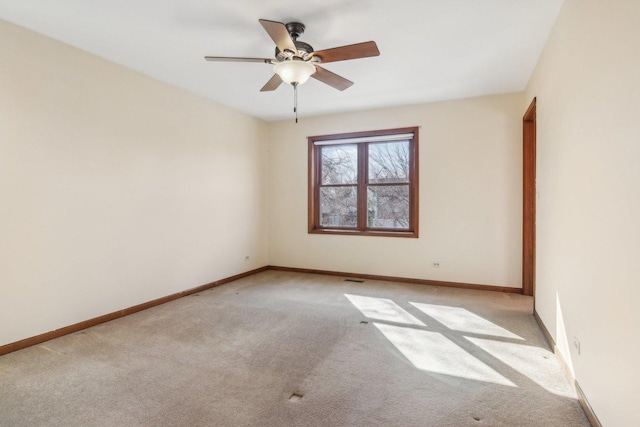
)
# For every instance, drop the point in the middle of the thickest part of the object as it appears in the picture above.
(431, 50)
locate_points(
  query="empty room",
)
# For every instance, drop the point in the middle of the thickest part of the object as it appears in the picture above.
(348, 213)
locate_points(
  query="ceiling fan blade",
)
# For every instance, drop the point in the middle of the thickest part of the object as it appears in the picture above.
(279, 34)
(233, 59)
(353, 51)
(332, 79)
(272, 84)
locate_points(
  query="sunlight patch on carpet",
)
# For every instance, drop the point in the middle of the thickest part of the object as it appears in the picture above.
(538, 364)
(383, 309)
(433, 352)
(462, 320)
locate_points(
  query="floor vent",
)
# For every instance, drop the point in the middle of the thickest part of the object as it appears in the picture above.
(295, 397)
(354, 280)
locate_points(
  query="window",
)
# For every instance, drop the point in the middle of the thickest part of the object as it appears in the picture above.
(364, 183)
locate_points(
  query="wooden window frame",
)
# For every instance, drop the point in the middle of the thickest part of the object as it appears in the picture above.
(362, 184)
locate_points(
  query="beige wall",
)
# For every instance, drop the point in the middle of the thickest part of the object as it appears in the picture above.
(588, 95)
(470, 195)
(115, 189)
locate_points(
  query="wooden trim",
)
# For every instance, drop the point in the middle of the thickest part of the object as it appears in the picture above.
(362, 188)
(38, 339)
(504, 289)
(545, 331)
(529, 200)
(361, 229)
(586, 407)
(584, 403)
(370, 232)
(530, 114)
(415, 182)
(312, 190)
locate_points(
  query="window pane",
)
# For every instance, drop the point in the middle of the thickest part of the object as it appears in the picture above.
(339, 206)
(388, 206)
(360, 183)
(339, 164)
(389, 162)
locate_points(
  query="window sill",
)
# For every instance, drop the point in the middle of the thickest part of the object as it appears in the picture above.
(377, 233)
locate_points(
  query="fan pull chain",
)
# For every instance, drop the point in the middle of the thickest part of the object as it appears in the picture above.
(295, 100)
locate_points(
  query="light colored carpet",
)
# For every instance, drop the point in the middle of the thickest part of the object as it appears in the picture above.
(351, 354)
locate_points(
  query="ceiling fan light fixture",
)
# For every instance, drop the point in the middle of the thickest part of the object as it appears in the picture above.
(294, 71)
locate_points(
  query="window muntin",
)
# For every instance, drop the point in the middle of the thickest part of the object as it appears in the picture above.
(364, 183)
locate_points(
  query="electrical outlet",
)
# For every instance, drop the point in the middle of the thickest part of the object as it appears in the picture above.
(576, 344)
(435, 264)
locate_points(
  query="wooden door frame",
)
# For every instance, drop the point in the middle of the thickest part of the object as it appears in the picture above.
(529, 200)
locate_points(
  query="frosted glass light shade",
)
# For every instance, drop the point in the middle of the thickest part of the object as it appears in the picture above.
(294, 71)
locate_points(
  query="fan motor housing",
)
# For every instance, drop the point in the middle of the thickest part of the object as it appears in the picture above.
(295, 29)
(304, 50)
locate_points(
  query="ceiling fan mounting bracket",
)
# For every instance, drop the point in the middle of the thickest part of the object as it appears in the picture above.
(296, 29)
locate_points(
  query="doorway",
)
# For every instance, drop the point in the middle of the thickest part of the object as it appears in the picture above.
(529, 200)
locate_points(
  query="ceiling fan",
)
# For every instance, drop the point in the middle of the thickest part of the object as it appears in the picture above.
(295, 61)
